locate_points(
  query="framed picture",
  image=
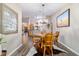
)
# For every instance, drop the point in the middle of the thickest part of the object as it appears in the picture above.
(9, 20)
(63, 20)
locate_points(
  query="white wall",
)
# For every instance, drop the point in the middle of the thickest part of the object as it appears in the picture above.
(69, 36)
(14, 40)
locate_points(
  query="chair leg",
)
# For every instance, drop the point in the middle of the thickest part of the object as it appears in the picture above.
(51, 51)
(44, 51)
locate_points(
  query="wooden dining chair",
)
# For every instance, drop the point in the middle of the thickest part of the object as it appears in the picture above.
(37, 44)
(48, 44)
(35, 40)
(56, 35)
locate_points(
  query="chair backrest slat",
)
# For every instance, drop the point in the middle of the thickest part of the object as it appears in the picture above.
(48, 40)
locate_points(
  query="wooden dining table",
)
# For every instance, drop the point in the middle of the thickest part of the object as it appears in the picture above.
(39, 44)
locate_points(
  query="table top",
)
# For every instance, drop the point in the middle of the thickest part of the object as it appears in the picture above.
(38, 35)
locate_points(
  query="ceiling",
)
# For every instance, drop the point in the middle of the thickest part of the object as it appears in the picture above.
(36, 9)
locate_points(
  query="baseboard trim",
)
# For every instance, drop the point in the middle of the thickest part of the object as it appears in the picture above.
(70, 49)
(14, 50)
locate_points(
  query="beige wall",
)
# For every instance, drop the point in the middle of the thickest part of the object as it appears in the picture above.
(14, 40)
(69, 36)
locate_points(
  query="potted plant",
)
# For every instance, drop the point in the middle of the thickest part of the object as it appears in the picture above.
(2, 52)
(0, 47)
